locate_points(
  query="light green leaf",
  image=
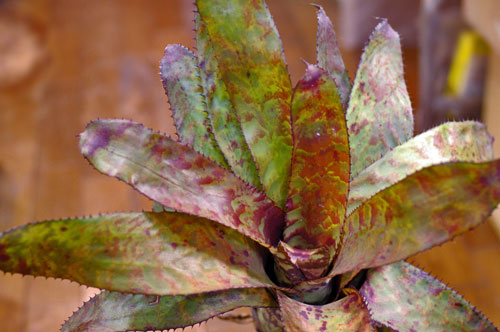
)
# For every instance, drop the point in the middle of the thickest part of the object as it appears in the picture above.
(453, 141)
(148, 253)
(225, 124)
(425, 209)
(379, 116)
(250, 59)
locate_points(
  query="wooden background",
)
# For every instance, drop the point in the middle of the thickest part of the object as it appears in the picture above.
(64, 63)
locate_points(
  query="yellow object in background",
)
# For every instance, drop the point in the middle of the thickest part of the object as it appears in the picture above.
(468, 64)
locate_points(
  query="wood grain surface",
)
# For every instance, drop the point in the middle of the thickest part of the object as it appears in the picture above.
(64, 63)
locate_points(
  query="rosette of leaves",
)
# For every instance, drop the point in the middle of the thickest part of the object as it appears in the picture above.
(298, 202)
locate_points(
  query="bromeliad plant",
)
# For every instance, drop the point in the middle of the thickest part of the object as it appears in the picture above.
(301, 203)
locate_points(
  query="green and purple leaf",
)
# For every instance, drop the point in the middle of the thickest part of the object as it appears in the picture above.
(286, 271)
(178, 177)
(453, 141)
(147, 253)
(225, 124)
(379, 116)
(347, 314)
(313, 263)
(110, 311)
(318, 291)
(329, 57)
(181, 79)
(250, 59)
(405, 298)
(425, 209)
(267, 319)
(320, 164)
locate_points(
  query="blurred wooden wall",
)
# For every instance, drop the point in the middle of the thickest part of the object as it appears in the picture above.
(64, 63)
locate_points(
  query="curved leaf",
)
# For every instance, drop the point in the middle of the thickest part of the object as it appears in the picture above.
(318, 291)
(320, 164)
(267, 319)
(147, 253)
(407, 299)
(347, 314)
(181, 79)
(379, 116)
(225, 124)
(313, 263)
(425, 209)
(178, 177)
(251, 62)
(454, 141)
(110, 312)
(329, 57)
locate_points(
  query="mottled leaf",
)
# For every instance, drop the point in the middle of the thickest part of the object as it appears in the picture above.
(425, 209)
(318, 291)
(181, 79)
(329, 57)
(110, 312)
(454, 141)
(225, 124)
(285, 270)
(312, 262)
(320, 171)
(405, 298)
(148, 253)
(347, 314)
(267, 319)
(379, 116)
(177, 177)
(251, 62)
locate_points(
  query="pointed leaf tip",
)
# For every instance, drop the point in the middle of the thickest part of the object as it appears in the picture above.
(328, 55)
(379, 115)
(181, 80)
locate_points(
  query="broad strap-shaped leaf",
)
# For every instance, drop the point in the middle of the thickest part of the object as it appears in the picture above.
(111, 311)
(267, 319)
(225, 124)
(454, 141)
(379, 115)
(329, 57)
(148, 253)
(178, 177)
(425, 209)
(320, 164)
(250, 59)
(406, 298)
(347, 314)
(181, 79)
